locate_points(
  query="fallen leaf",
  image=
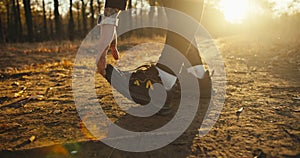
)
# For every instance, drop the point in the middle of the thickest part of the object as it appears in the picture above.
(32, 138)
(36, 97)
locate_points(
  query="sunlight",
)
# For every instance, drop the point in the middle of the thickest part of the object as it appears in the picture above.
(285, 6)
(234, 11)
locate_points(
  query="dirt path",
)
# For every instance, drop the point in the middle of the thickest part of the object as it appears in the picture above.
(262, 77)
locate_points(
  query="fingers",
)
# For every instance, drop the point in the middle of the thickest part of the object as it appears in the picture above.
(114, 50)
(115, 53)
(101, 65)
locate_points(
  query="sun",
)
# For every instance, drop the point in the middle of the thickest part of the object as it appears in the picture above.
(235, 11)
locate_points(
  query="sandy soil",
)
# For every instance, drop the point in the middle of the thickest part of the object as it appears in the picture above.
(38, 117)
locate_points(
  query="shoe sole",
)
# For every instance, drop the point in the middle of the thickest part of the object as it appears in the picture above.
(120, 85)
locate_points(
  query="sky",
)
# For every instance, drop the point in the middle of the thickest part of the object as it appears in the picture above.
(237, 11)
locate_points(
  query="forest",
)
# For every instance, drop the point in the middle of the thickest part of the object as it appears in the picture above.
(255, 114)
(46, 20)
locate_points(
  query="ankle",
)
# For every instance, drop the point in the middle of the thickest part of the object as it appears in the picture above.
(167, 79)
(198, 71)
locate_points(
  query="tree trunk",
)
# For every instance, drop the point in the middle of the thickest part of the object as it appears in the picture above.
(28, 18)
(130, 19)
(141, 32)
(1, 31)
(71, 23)
(19, 22)
(92, 14)
(45, 31)
(151, 18)
(83, 17)
(51, 26)
(8, 24)
(7, 15)
(78, 19)
(129, 4)
(58, 32)
(99, 6)
(14, 31)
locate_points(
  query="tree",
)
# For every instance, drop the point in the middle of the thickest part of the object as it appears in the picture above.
(83, 13)
(58, 32)
(77, 5)
(45, 31)
(1, 31)
(71, 23)
(99, 6)
(28, 18)
(8, 21)
(51, 25)
(14, 32)
(19, 19)
(129, 4)
(92, 14)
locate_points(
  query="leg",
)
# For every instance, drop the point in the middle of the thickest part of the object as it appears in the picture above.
(107, 33)
(113, 48)
(194, 9)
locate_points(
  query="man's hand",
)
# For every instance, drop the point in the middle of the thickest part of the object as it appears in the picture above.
(114, 50)
(101, 64)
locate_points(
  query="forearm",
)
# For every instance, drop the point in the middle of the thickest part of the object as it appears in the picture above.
(111, 11)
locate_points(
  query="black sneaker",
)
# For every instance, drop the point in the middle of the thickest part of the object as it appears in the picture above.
(136, 85)
(205, 86)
